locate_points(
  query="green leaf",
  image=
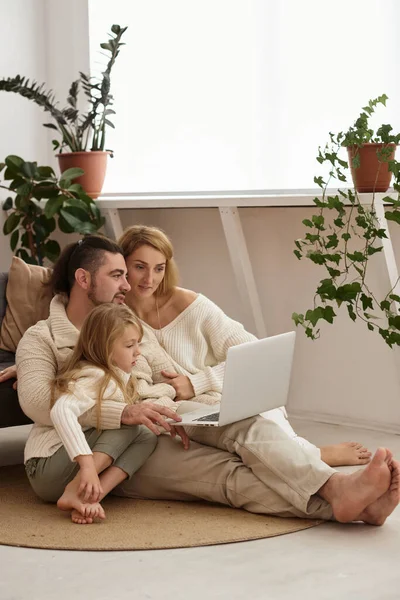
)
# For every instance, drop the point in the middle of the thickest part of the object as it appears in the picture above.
(314, 315)
(394, 297)
(373, 250)
(52, 250)
(370, 326)
(308, 223)
(14, 239)
(71, 174)
(46, 172)
(393, 216)
(11, 223)
(64, 226)
(24, 189)
(351, 312)
(297, 253)
(394, 322)
(14, 163)
(73, 216)
(53, 205)
(7, 204)
(366, 302)
(298, 318)
(29, 169)
(329, 314)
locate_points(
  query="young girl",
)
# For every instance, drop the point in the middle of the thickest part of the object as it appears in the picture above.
(99, 371)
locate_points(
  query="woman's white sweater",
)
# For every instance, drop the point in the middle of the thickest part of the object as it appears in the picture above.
(197, 342)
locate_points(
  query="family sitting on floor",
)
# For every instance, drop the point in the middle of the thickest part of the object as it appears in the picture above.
(125, 351)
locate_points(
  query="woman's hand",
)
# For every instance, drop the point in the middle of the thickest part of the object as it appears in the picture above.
(178, 430)
(9, 373)
(181, 384)
(89, 488)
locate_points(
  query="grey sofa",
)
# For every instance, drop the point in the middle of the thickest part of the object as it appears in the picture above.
(10, 410)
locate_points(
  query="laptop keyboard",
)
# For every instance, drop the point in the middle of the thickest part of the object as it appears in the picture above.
(213, 417)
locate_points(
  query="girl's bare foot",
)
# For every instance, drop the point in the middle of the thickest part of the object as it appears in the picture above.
(346, 453)
(88, 514)
(350, 495)
(80, 512)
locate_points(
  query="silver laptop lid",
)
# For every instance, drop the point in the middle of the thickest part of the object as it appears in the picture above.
(257, 377)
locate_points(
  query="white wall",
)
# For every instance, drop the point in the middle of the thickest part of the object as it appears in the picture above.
(22, 35)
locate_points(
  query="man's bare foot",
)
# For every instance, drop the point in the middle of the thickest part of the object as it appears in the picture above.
(350, 495)
(88, 514)
(80, 512)
(377, 512)
(346, 453)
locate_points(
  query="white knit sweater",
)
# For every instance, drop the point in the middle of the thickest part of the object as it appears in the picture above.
(41, 353)
(197, 342)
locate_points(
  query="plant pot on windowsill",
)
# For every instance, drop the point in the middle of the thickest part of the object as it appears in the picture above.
(372, 174)
(94, 163)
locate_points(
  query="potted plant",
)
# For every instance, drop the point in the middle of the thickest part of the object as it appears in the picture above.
(345, 233)
(30, 222)
(79, 132)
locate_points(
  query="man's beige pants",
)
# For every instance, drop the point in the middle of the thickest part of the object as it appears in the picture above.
(252, 464)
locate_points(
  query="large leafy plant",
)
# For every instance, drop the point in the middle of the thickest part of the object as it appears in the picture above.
(78, 131)
(30, 222)
(345, 233)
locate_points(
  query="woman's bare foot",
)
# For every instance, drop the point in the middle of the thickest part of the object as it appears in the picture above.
(80, 512)
(350, 495)
(89, 512)
(346, 453)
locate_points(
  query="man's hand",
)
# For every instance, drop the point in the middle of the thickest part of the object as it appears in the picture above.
(9, 373)
(149, 415)
(177, 430)
(181, 384)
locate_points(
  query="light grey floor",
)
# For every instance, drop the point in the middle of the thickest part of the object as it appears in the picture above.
(331, 561)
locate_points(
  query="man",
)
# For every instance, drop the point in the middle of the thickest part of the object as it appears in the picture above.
(289, 481)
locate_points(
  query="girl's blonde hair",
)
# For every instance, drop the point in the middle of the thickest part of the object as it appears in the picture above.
(141, 235)
(100, 330)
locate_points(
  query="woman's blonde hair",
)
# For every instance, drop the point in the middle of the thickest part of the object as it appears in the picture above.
(100, 330)
(141, 235)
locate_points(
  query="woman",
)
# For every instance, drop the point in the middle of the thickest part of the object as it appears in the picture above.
(195, 333)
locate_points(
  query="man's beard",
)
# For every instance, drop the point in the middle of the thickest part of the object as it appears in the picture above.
(93, 297)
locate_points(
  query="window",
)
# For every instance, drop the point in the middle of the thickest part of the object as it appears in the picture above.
(238, 94)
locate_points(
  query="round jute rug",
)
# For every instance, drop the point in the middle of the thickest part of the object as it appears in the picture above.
(130, 524)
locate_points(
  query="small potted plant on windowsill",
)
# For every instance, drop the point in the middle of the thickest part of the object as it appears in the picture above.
(345, 233)
(79, 132)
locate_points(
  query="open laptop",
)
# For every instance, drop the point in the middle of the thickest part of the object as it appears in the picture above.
(256, 379)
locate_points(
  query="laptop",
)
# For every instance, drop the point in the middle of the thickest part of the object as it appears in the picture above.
(256, 379)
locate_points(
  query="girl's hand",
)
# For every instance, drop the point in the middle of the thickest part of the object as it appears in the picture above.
(178, 430)
(89, 488)
(9, 373)
(181, 384)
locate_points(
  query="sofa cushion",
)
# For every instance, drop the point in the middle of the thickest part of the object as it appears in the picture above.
(28, 301)
(3, 303)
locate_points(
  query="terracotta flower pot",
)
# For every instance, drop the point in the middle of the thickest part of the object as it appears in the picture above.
(371, 175)
(93, 163)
